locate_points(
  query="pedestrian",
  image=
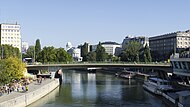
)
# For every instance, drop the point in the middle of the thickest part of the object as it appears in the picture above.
(26, 87)
(23, 89)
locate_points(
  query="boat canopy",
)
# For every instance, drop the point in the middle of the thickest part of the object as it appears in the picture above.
(158, 79)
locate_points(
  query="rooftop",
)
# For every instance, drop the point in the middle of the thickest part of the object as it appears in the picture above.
(109, 43)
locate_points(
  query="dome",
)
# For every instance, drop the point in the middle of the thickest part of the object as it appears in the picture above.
(68, 45)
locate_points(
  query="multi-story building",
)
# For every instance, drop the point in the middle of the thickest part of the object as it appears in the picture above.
(10, 34)
(141, 39)
(111, 48)
(163, 46)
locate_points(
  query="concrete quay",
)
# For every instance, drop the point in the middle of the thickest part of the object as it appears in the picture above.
(35, 92)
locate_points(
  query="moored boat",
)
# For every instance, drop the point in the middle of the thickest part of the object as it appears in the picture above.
(157, 85)
(126, 74)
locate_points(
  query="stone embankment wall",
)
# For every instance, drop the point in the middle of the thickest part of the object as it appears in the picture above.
(30, 97)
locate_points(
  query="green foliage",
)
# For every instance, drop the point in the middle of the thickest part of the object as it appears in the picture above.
(115, 58)
(147, 55)
(51, 54)
(101, 54)
(11, 69)
(48, 54)
(84, 51)
(62, 55)
(91, 56)
(131, 52)
(37, 50)
(30, 52)
(7, 51)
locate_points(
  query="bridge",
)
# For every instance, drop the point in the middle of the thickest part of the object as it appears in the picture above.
(160, 67)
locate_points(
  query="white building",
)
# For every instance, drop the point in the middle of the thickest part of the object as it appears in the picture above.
(24, 46)
(141, 39)
(10, 35)
(74, 52)
(68, 46)
(111, 48)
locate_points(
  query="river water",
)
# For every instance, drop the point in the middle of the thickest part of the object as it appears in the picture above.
(82, 89)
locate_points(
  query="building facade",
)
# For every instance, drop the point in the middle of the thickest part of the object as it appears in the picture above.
(74, 52)
(141, 39)
(163, 46)
(111, 48)
(10, 35)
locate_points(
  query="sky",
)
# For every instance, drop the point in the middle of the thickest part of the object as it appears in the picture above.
(56, 22)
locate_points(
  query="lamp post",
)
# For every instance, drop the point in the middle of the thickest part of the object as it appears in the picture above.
(2, 52)
(21, 48)
(34, 54)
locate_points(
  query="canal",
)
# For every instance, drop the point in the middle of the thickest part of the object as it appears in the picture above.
(83, 89)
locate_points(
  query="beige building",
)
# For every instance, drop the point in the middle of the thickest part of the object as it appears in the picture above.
(10, 34)
(111, 48)
(164, 45)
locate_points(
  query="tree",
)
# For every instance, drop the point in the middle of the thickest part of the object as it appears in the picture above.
(91, 56)
(147, 55)
(62, 55)
(9, 51)
(131, 52)
(48, 54)
(37, 50)
(84, 51)
(30, 52)
(11, 69)
(51, 54)
(100, 53)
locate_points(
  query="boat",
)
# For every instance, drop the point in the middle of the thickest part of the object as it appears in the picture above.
(157, 85)
(126, 74)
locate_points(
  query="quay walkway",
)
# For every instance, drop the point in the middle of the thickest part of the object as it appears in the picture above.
(35, 92)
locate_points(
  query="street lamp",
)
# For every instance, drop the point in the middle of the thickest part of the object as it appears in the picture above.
(2, 52)
(34, 54)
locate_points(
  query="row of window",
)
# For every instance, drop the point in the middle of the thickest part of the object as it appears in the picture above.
(7, 30)
(11, 34)
(168, 47)
(182, 46)
(184, 42)
(10, 38)
(183, 38)
(11, 26)
(5, 41)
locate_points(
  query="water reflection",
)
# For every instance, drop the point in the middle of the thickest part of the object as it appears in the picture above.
(98, 89)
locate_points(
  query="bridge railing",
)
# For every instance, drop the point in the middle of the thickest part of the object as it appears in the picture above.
(100, 62)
